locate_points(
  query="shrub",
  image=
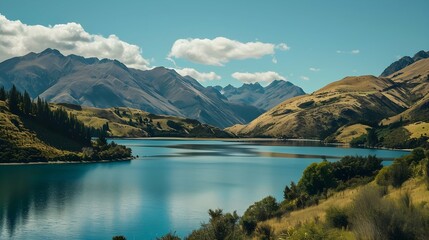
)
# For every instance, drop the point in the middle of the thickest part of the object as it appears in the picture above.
(317, 178)
(373, 217)
(312, 231)
(262, 210)
(264, 232)
(383, 177)
(119, 238)
(337, 217)
(399, 173)
(220, 226)
(169, 236)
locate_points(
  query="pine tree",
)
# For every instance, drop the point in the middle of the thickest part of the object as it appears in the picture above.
(2, 94)
(26, 103)
(13, 100)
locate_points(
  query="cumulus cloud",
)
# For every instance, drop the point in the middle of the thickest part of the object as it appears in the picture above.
(305, 78)
(313, 69)
(17, 38)
(220, 50)
(200, 76)
(262, 77)
(282, 47)
(355, 51)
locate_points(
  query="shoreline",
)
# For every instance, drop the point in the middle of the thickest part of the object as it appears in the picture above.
(255, 140)
(68, 162)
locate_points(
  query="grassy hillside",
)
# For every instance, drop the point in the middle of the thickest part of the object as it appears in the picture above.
(343, 111)
(365, 100)
(17, 140)
(40, 134)
(129, 122)
(416, 187)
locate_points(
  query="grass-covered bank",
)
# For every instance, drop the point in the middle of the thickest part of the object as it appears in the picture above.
(32, 131)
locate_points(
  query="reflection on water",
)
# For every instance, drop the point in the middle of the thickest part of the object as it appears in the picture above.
(169, 188)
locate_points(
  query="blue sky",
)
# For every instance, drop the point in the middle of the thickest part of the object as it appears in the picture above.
(326, 40)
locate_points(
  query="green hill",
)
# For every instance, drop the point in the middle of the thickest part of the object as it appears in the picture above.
(36, 132)
(129, 122)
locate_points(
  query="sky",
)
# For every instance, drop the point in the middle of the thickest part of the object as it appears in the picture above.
(309, 43)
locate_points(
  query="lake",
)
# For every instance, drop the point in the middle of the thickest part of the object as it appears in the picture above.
(169, 187)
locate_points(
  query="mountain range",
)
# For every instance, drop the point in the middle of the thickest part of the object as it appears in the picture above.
(350, 105)
(109, 83)
(261, 97)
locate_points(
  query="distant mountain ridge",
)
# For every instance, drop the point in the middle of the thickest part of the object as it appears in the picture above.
(107, 83)
(261, 97)
(403, 62)
(349, 106)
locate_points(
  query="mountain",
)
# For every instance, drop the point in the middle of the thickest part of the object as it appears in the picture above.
(403, 62)
(347, 106)
(129, 122)
(261, 97)
(109, 83)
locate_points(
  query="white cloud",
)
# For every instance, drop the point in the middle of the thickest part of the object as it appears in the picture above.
(220, 50)
(355, 51)
(305, 78)
(282, 47)
(274, 60)
(200, 76)
(313, 69)
(17, 38)
(262, 77)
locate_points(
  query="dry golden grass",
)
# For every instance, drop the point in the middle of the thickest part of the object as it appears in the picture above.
(416, 187)
(309, 214)
(418, 129)
(346, 134)
(310, 115)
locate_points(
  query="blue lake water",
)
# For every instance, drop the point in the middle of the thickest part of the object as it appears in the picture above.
(169, 187)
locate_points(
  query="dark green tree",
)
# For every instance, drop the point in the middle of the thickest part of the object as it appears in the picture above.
(317, 178)
(371, 138)
(13, 100)
(2, 94)
(26, 104)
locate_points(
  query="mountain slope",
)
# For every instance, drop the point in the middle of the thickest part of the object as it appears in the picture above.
(109, 83)
(129, 122)
(353, 101)
(403, 62)
(261, 97)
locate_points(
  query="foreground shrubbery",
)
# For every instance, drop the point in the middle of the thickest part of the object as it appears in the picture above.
(320, 178)
(370, 216)
(415, 164)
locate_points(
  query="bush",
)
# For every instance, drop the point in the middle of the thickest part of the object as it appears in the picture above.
(169, 236)
(383, 177)
(262, 210)
(312, 231)
(317, 178)
(264, 232)
(399, 173)
(119, 238)
(373, 217)
(337, 217)
(221, 226)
